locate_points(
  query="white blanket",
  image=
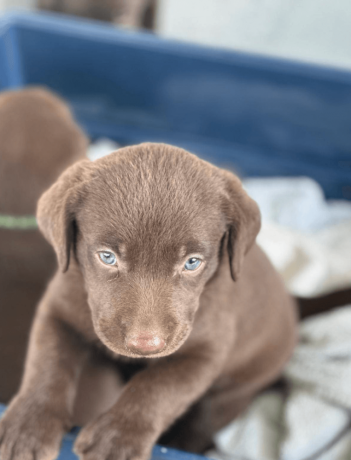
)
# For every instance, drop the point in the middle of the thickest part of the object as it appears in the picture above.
(307, 238)
(313, 415)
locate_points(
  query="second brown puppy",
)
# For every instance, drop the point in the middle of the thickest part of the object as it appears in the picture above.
(39, 139)
(158, 266)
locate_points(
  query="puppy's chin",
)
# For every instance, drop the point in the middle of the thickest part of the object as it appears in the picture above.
(171, 347)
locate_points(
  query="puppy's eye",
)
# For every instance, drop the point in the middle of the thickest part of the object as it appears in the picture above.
(192, 264)
(108, 258)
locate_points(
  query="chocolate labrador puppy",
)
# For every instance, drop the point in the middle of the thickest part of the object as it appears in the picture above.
(38, 140)
(158, 266)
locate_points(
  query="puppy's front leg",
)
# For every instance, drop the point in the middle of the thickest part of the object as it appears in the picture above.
(149, 404)
(37, 418)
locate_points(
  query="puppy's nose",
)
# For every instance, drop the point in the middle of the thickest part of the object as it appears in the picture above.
(146, 343)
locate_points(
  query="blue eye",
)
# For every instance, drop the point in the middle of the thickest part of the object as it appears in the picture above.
(108, 258)
(192, 264)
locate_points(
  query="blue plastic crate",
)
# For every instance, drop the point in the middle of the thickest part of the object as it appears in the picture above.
(262, 116)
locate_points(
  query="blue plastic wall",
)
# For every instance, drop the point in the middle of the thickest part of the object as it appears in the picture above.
(260, 116)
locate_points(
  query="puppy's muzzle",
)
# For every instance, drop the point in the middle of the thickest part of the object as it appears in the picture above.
(145, 343)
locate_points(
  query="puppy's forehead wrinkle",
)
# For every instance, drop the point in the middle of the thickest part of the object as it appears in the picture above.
(143, 175)
(152, 190)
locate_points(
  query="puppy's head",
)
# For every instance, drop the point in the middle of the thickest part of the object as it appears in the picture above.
(147, 225)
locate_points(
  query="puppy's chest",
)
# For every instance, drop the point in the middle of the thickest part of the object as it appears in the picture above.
(127, 367)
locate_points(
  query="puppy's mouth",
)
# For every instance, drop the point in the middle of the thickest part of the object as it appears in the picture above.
(146, 353)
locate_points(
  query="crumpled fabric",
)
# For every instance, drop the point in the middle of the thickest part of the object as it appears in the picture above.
(311, 416)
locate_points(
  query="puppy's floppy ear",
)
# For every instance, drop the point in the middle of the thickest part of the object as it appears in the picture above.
(243, 220)
(57, 207)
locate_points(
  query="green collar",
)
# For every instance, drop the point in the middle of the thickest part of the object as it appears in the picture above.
(18, 222)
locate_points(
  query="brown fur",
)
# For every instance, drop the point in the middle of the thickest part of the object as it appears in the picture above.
(38, 140)
(129, 13)
(228, 328)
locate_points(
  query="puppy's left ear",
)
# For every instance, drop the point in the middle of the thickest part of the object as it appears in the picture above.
(57, 208)
(243, 221)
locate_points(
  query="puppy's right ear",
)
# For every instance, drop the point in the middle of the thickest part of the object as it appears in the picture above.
(243, 221)
(57, 207)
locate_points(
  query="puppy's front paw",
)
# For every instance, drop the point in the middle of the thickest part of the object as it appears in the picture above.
(114, 439)
(29, 433)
